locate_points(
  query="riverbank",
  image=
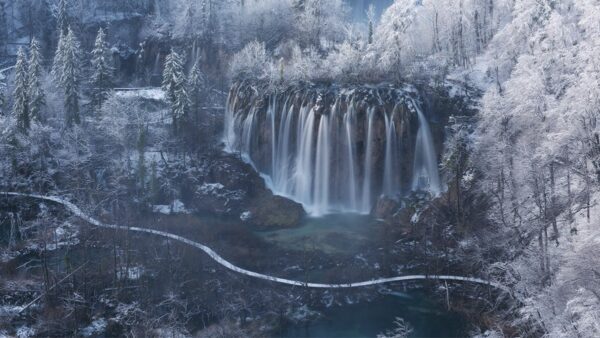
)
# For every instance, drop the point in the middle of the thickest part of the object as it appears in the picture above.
(236, 241)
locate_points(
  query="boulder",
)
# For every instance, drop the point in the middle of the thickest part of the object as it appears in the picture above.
(275, 212)
(224, 184)
(385, 208)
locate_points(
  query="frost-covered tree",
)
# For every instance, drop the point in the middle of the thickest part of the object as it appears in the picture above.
(319, 19)
(391, 35)
(175, 86)
(198, 19)
(402, 329)
(196, 85)
(371, 23)
(71, 77)
(100, 81)
(20, 93)
(253, 60)
(457, 166)
(3, 27)
(62, 17)
(2, 95)
(141, 166)
(58, 62)
(37, 97)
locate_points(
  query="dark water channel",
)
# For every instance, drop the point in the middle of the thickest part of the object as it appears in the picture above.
(343, 234)
(368, 319)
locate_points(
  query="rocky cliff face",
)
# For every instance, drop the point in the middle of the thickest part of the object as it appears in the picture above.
(223, 184)
(337, 148)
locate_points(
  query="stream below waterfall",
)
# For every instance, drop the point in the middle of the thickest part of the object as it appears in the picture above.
(368, 319)
(335, 233)
(349, 235)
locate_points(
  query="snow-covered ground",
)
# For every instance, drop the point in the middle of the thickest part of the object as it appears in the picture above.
(222, 261)
(145, 93)
(570, 306)
(176, 207)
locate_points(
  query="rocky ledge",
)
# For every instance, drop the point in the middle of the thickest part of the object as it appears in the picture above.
(223, 184)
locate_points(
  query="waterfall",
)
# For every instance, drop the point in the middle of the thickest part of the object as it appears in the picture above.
(281, 171)
(352, 201)
(390, 184)
(303, 188)
(337, 152)
(322, 172)
(368, 173)
(425, 173)
(229, 135)
(247, 133)
(271, 111)
(156, 68)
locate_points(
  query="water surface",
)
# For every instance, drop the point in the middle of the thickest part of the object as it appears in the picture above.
(368, 319)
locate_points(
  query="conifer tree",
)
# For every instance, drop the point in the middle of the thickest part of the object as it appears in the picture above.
(182, 101)
(174, 84)
(100, 81)
(196, 86)
(58, 62)
(371, 18)
(70, 79)
(3, 27)
(62, 20)
(141, 145)
(154, 185)
(2, 97)
(21, 103)
(37, 98)
(171, 67)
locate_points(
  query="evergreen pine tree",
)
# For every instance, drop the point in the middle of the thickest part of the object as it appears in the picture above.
(154, 187)
(100, 81)
(181, 104)
(58, 62)
(62, 20)
(3, 28)
(174, 84)
(70, 78)
(371, 18)
(2, 99)
(21, 103)
(142, 161)
(196, 86)
(168, 75)
(37, 98)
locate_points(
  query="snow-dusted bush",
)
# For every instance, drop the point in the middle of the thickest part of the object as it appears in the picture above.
(412, 38)
(304, 65)
(319, 21)
(252, 61)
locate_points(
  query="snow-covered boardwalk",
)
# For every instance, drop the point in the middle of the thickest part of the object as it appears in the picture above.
(76, 211)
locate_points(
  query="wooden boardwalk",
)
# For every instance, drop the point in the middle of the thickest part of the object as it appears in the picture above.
(217, 258)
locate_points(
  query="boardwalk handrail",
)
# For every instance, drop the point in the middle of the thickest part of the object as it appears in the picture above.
(217, 258)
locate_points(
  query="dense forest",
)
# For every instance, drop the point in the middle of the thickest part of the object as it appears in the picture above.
(299, 168)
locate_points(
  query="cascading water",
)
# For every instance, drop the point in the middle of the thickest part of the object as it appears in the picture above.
(351, 202)
(391, 156)
(335, 151)
(368, 173)
(425, 173)
(156, 67)
(322, 169)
